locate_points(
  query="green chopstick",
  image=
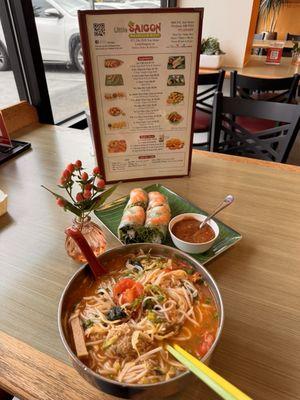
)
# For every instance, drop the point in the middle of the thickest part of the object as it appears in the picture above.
(218, 384)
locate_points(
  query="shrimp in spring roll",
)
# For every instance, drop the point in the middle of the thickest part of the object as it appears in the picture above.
(134, 216)
(158, 216)
(138, 197)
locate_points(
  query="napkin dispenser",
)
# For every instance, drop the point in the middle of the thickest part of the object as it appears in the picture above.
(3, 203)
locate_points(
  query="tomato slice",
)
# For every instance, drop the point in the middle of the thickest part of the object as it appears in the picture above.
(127, 290)
(206, 344)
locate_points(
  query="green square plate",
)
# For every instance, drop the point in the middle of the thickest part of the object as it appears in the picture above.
(110, 214)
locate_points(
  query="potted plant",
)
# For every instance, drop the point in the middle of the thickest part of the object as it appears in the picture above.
(269, 11)
(211, 53)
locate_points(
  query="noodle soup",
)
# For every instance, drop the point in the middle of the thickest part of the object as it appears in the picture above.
(144, 303)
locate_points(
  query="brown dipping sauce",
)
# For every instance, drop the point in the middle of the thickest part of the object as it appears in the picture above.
(188, 229)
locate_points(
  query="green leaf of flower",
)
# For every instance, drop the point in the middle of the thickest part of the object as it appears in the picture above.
(68, 206)
(99, 200)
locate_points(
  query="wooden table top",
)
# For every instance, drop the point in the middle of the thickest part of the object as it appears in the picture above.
(288, 44)
(258, 278)
(257, 68)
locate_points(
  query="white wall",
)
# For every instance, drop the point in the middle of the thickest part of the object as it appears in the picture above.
(229, 21)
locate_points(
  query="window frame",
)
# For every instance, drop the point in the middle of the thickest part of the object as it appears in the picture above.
(24, 51)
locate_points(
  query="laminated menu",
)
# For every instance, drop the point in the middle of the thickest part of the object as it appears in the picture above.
(141, 69)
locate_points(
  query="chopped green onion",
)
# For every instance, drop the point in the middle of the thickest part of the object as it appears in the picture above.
(87, 324)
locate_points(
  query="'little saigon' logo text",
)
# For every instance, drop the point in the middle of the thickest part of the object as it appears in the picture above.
(144, 30)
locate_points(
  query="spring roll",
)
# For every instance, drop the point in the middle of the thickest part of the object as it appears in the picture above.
(134, 216)
(158, 216)
(138, 197)
(156, 199)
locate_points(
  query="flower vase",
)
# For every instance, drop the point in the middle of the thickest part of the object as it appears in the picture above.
(93, 235)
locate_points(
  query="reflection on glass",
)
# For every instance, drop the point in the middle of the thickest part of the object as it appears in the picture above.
(8, 90)
(58, 31)
(126, 4)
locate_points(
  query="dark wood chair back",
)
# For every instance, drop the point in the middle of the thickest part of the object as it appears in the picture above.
(281, 90)
(292, 36)
(259, 50)
(215, 82)
(272, 144)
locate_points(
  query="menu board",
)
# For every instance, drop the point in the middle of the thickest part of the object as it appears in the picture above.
(141, 70)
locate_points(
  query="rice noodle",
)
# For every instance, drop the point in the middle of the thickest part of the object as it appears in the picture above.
(132, 349)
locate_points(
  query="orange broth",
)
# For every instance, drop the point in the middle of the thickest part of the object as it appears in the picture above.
(204, 307)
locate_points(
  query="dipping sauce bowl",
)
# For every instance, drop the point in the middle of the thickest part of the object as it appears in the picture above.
(191, 247)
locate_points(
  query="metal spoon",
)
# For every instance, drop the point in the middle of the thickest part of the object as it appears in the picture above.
(225, 203)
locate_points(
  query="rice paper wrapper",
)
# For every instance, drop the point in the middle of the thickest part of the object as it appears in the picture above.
(156, 199)
(157, 221)
(138, 197)
(132, 220)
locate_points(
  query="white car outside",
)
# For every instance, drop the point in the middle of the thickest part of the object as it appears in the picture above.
(58, 30)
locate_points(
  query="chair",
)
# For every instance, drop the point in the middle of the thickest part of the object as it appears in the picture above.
(295, 38)
(273, 144)
(258, 50)
(292, 36)
(281, 90)
(202, 117)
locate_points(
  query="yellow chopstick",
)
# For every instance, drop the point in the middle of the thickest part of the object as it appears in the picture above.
(220, 385)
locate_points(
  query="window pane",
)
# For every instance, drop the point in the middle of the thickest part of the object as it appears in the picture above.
(8, 90)
(128, 4)
(39, 7)
(58, 31)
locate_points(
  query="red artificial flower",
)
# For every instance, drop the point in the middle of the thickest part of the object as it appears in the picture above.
(101, 184)
(60, 202)
(87, 194)
(84, 176)
(78, 164)
(96, 171)
(70, 167)
(79, 197)
(66, 174)
(62, 181)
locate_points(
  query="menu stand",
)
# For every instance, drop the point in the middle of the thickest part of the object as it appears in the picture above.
(6, 153)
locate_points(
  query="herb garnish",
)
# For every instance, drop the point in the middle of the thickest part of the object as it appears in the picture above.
(188, 271)
(115, 313)
(87, 324)
(137, 302)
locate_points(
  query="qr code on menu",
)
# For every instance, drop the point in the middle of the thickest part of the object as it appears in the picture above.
(99, 29)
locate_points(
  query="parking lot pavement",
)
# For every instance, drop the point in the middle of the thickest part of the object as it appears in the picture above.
(66, 87)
